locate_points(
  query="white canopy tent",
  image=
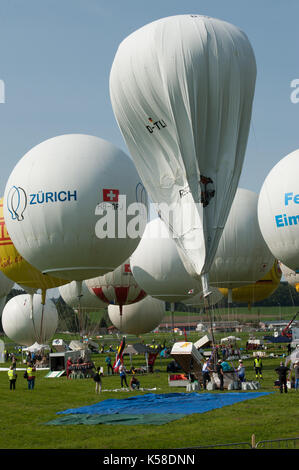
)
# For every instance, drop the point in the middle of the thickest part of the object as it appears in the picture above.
(36, 347)
(230, 339)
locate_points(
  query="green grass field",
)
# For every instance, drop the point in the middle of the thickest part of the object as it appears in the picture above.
(24, 413)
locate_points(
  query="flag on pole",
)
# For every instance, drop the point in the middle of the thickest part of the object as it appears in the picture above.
(119, 356)
(185, 334)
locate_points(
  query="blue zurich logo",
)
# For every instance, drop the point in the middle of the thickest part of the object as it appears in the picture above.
(16, 202)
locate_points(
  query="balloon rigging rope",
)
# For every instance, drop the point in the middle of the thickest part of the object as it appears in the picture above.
(41, 340)
(77, 322)
(291, 295)
(33, 322)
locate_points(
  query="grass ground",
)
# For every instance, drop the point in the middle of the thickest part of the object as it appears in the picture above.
(24, 413)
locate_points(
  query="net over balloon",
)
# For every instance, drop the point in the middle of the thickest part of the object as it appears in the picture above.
(182, 89)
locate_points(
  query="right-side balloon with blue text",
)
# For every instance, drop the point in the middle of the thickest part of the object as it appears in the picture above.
(278, 210)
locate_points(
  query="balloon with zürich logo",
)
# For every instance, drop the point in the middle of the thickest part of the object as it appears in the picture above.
(66, 206)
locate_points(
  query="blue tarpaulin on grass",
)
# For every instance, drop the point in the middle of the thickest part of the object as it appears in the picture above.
(155, 419)
(184, 403)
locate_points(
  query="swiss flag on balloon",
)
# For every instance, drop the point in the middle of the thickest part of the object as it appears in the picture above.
(110, 195)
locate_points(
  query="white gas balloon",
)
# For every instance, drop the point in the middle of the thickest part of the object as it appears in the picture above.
(5, 286)
(65, 206)
(138, 318)
(290, 275)
(27, 321)
(118, 287)
(2, 304)
(72, 294)
(242, 256)
(182, 89)
(158, 268)
(278, 210)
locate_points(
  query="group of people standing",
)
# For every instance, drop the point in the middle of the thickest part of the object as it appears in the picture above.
(223, 366)
(29, 375)
(134, 382)
(220, 368)
(282, 371)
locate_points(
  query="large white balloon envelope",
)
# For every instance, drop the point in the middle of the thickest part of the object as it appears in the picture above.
(67, 204)
(138, 318)
(182, 89)
(76, 295)
(158, 268)
(242, 255)
(117, 287)
(26, 321)
(6, 285)
(278, 211)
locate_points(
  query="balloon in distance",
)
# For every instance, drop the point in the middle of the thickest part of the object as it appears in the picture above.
(158, 268)
(291, 276)
(260, 290)
(16, 268)
(181, 90)
(117, 287)
(5, 285)
(5, 288)
(138, 318)
(25, 322)
(278, 210)
(242, 255)
(61, 197)
(70, 293)
(198, 300)
(2, 304)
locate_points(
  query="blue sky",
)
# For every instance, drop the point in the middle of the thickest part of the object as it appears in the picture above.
(56, 55)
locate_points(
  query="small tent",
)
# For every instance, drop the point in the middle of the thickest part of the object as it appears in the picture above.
(230, 339)
(138, 348)
(36, 347)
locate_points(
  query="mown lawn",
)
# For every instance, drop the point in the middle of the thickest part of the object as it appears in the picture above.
(24, 414)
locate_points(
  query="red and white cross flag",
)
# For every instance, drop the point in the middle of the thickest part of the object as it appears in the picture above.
(110, 195)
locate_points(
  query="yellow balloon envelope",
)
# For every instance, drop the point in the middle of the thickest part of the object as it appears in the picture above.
(16, 268)
(260, 290)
